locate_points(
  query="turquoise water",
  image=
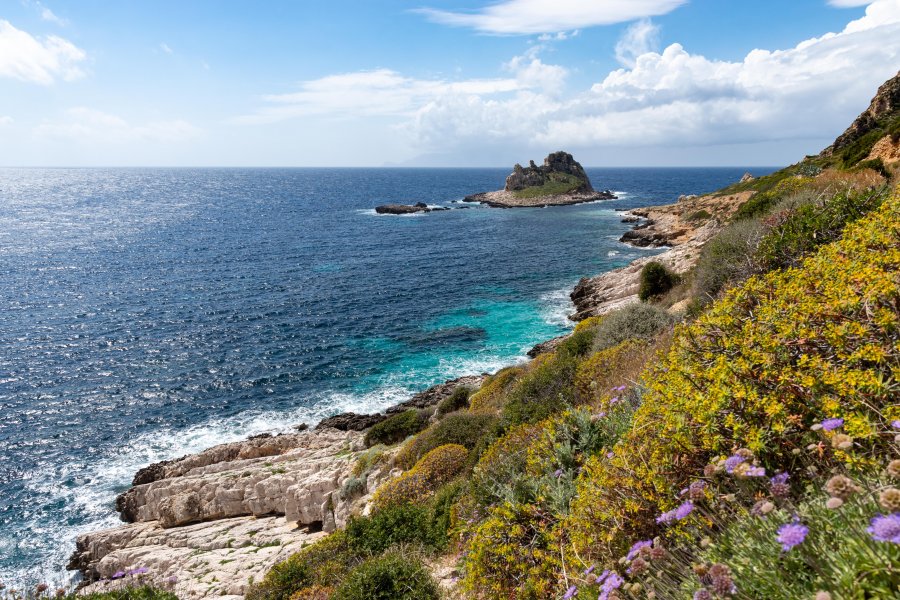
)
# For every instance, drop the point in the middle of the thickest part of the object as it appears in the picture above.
(150, 313)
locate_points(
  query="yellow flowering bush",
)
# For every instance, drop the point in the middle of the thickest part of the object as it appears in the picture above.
(776, 355)
(418, 484)
(493, 392)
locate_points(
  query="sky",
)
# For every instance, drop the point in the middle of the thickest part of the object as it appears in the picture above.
(472, 83)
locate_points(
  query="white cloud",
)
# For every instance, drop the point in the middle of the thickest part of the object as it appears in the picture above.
(381, 92)
(512, 17)
(89, 125)
(165, 48)
(27, 58)
(849, 3)
(640, 38)
(49, 15)
(677, 98)
(6, 120)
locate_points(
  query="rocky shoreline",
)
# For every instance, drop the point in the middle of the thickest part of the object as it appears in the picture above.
(506, 199)
(218, 520)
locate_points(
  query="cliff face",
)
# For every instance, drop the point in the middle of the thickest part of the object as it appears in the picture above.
(560, 163)
(884, 106)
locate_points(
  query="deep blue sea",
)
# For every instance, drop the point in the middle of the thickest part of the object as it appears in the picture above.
(148, 313)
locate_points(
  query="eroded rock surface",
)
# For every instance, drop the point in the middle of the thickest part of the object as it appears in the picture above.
(217, 519)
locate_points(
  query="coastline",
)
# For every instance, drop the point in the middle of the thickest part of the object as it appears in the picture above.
(505, 199)
(219, 519)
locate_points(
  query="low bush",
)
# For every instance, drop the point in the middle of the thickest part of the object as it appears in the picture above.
(465, 429)
(727, 259)
(656, 280)
(393, 576)
(492, 395)
(760, 203)
(631, 322)
(400, 525)
(436, 468)
(396, 428)
(324, 564)
(545, 389)
(699, 215)
(458, 400)
(799, 229)
(579, 343)
(610, 372)
(877, 165)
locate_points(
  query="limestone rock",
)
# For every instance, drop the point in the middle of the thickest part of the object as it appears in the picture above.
(747, 177)
(535, 176)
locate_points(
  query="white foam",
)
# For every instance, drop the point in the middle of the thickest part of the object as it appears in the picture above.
(556, 306)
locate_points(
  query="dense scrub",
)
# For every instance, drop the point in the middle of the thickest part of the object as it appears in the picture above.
(636, 462)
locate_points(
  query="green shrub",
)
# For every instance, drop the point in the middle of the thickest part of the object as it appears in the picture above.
(699, 215)
(546, 389)
(432, 471)
(762, 202)
(403, 524)
(727, 259)
(396, 428)
(393, 576)
(803, 227)
(877, 165)
(465, 429)
(458, 400)
(579, 343)
(656, 280)
(325, 563)
(631, 322)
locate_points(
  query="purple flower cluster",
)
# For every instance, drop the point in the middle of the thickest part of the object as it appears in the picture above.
(755, 472)
(570, 593)
(636, 548)
(792, 534)
(832, 424)
(732, 462)
(895, 424)
(609, 582)
(676, 514)
(885, 528)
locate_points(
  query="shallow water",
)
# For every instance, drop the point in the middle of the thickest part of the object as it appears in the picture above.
(148, 313)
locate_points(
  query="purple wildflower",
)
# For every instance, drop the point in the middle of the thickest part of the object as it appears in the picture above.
(620, 388)
(755, 472)
(636, 548)
(589, 570)
(895, 423)
(732, 462)
(118, 575)
(570, 593)
(613, 582)
(792, 534)
(557, 473)
(832, 424)
(610, 454)
(684, 510)
(139, 571)
(173, 579)
(886, 528)
(780, 478)
(602, 577)
(614, 401)
(666, 517)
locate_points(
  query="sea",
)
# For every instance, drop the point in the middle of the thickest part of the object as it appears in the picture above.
(151, 313)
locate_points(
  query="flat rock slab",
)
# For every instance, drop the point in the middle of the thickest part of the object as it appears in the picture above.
(505, 199)
(219, 559)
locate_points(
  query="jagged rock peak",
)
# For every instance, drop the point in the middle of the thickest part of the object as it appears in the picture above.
(885, 103)
(534, 176)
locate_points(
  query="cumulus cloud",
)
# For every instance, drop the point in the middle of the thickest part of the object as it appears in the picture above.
(24, 57)
(640, 38)
(678, 98)
(5, 120)
(516, 17)
(90, 125)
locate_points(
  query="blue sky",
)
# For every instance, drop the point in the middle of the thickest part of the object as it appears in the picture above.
(436, 83)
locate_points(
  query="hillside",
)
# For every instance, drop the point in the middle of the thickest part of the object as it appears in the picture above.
(727, 426)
